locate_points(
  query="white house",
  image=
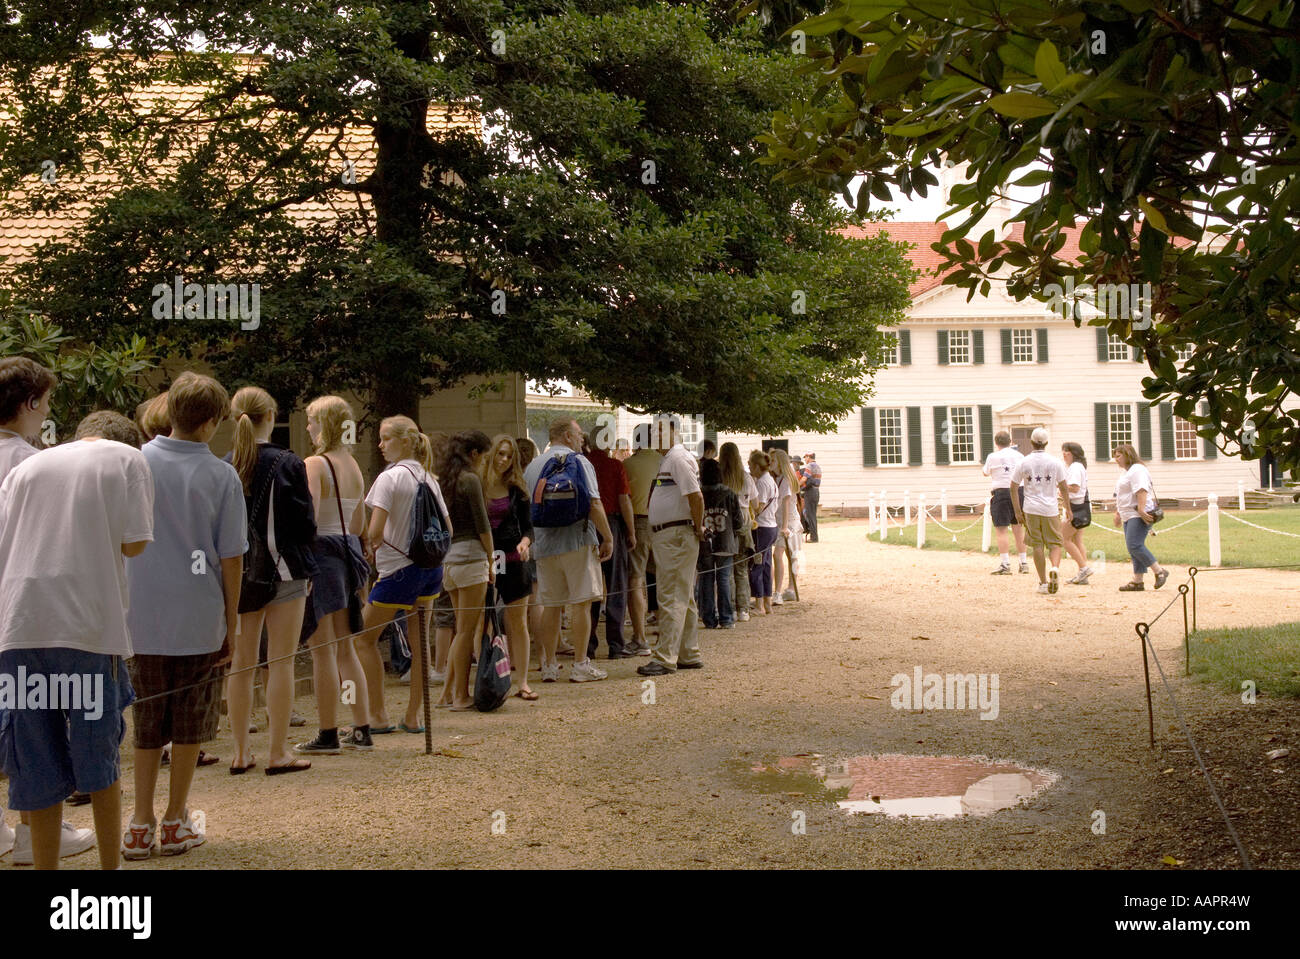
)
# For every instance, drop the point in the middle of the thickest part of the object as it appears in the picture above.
(959, 372)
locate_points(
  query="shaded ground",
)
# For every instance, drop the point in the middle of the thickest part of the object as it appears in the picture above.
(591, 776)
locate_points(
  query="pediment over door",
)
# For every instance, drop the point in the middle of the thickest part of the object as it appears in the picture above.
(1027, 411)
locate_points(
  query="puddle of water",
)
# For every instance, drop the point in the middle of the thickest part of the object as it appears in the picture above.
(896, 784)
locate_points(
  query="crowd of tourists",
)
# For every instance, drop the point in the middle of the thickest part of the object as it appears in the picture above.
(154, 575)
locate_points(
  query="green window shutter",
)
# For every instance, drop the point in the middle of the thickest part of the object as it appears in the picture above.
(986, 432)
(1006, 346)
(977, 346)
(1042, 346)
(943, 347)
(914, 436)
(1135, 353)
(1101, 420)
(1144, 431)
(940, 447)
(1167, 432)
(904, 348)
(868, 436)
(1103, 346)
(1210, 450)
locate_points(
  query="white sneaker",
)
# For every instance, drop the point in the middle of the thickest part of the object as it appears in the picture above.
(788, 596)
(1082, 577)
(1042, 588)
(137, 841)
(777, 600)
(73, 842)
(436, 678)
(584, 672)
(6, 837)
(744, 615)
(181, 835)
(550, 672)
(1053, 580)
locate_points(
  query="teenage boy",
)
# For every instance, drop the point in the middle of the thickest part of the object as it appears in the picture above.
(184, 607)
(25, 389)
(998, 467)
(68, 515)
(1043, 477)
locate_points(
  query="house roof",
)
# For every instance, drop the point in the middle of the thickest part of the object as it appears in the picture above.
(22, 235)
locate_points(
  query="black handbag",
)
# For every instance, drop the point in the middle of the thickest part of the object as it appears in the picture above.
(1081, 514)
(358, 568)
(492, 683)
(1154, 510)
(261, 578)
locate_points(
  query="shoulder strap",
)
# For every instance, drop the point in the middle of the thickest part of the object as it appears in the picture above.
(266, 486)
(338, 497)
(418, 481)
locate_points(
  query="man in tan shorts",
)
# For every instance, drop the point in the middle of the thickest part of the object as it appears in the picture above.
(1043, 477)
(642, 467)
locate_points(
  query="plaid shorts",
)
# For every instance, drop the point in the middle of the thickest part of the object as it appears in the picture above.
(187, 717)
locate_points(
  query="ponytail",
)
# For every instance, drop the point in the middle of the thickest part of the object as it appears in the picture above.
(423, 450)
(250, 406)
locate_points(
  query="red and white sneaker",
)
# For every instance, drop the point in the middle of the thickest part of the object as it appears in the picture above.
(181, 835)
(137, 841)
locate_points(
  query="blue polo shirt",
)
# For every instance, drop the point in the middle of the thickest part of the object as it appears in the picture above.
(177, 607)
(550, 541)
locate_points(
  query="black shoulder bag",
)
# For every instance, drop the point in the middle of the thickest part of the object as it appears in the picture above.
(261, 578)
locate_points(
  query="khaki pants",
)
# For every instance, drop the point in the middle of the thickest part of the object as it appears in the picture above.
(676, 552)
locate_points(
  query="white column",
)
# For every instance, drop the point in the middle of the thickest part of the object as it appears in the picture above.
(1241, 495)
(907, 507)
(920, 520)
(987, 537)
(884, 516)
(871, 513)
(1216, 554)
(943, 506)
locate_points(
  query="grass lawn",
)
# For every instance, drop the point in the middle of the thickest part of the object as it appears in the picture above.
(1188, 546)
(1268, 655)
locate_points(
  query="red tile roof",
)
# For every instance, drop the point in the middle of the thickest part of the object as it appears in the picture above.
(917, 232)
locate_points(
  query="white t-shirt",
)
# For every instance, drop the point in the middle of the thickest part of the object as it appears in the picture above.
(678, 477)
(394, 491)
(1077, 475)
(1000, 465)
(64, 515)
(765, 488)
(788, 502)
(1039, 474)
(13, 450)
(1134, 478)
(747, 492)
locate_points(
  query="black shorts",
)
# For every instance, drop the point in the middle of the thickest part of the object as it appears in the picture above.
(1004, 514)
(516, 582)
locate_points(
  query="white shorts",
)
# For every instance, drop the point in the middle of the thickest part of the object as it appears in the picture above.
(570, 578)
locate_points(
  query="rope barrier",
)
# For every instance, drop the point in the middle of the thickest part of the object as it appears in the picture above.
(1257, 526)
(1170, 529)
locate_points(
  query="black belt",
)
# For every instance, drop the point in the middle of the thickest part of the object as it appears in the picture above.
(676, 522)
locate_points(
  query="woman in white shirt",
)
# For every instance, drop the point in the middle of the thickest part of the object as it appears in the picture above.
(742, 484)
(787, 518)
(764, 504)
(1134, 492)
(1080, 518)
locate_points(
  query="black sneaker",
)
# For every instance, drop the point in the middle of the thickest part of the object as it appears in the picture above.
(356, 740)
(326, 747)
(654, 668)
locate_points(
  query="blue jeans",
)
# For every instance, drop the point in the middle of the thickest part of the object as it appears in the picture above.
(760, 575)
(1135, 537)
(715, 585)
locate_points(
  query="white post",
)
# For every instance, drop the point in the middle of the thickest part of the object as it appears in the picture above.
(1216, 555)
(907, 507)
(987, 537)
(1241, 495)
(871, 514)
(920, 520)
(943, 506)
(884, 516)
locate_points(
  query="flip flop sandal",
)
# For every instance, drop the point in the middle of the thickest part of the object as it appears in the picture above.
(526, 694)
(240, 770)
(206, 760)
(409, 729)
(380, 730)
(461, 709)
(292, 767)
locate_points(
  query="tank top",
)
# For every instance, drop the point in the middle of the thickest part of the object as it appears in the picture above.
(327, 516)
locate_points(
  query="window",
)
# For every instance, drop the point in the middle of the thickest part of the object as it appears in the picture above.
(890, 431)
(1022, 346)
(1116, 348)
(1184, 353)
(959, 351)
(889, 350)
(1121, 423)
(690, 432)
(1187, 445)
(961, 434)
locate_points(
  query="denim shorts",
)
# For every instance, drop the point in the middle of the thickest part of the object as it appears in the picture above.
(49, 753)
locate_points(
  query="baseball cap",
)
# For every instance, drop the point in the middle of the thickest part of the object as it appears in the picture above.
(1039, 435)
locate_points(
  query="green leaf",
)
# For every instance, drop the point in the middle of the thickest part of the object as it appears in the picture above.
(1022, 106)
(1048, 67)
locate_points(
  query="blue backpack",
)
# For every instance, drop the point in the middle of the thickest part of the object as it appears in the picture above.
(428, 537)
(560, 497)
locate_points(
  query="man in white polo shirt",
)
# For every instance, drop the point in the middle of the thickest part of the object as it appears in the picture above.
(676, 528)
(1043, 478)
(999, 466)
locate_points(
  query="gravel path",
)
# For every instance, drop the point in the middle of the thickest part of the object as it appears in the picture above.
(591, 776)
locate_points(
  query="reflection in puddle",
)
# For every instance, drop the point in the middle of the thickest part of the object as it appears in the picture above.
(900, 785)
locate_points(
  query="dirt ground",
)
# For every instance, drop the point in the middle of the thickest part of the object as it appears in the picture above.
(589, 776)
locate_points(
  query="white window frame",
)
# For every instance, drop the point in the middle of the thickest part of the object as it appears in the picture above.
(1113, 410)
(1115, 344)
(889, 352)
(1186, 427)
(880, 435)
(1032, 343)
(1184, 353)
(690, 432)
(973, 412)
(966, 345)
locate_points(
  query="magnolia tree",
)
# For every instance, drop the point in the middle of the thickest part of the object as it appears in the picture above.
(1166, 131)
(600, 217)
